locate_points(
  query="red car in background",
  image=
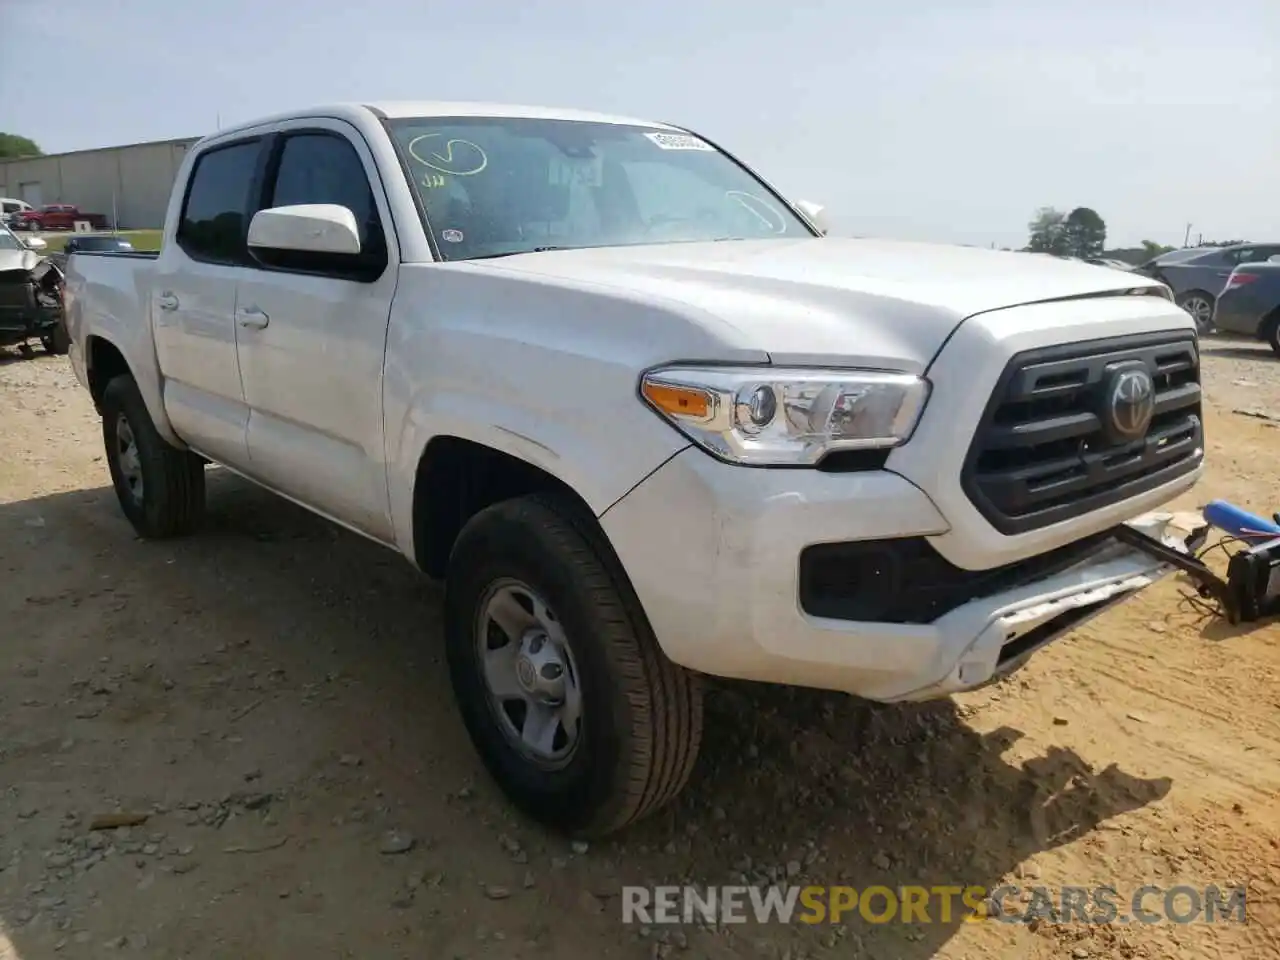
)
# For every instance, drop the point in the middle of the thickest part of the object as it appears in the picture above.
(57, 216)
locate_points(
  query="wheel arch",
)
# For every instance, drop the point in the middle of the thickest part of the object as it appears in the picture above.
(1196, 291)
(1268, 325)
(105, 359)
(456, 478)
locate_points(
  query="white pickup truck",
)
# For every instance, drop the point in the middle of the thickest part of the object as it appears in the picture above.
(647, 420)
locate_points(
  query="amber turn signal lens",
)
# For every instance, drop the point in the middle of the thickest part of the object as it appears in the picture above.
(686, 402)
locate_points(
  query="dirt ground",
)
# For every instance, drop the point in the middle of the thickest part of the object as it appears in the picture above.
(271, 694)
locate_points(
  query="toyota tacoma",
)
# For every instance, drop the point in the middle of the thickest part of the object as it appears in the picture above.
(643, 415)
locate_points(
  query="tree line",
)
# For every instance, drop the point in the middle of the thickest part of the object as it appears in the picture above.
(1080, 233)
(13, 146)
(1083, 233)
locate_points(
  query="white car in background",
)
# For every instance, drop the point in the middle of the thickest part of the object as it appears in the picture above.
(10, 208)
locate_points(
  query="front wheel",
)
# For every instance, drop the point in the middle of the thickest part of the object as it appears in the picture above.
(57, 341)
(1270, 332)
(160, 488)
(574, 709)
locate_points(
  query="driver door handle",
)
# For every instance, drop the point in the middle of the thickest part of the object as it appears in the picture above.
(167, 302)
(252, 318)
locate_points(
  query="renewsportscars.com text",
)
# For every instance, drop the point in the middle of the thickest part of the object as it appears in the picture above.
(1150, 904)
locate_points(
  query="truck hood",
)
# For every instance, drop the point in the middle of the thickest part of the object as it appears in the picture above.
(878, 302)
(18, 260)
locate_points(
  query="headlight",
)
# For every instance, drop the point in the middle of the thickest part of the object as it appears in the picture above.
(770, 416)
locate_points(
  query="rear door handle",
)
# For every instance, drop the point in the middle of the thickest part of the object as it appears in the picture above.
(252, 318)
(167, 301)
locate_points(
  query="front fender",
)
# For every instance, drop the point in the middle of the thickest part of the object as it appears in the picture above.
(544, 372)
(589, 456)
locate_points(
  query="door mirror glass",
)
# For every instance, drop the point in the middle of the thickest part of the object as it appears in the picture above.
(317, 228)
(816, 214)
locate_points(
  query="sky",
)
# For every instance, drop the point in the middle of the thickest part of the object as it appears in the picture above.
(932, 120)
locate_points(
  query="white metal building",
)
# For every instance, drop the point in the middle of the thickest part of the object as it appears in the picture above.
(130, 183)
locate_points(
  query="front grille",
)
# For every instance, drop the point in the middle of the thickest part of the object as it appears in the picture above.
(907, 581)
(1047, 448)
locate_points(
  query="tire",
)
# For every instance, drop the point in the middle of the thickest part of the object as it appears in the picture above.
(1270, 332)
(640, 721)
(1199, 304)
(169, 501)
(58, 342)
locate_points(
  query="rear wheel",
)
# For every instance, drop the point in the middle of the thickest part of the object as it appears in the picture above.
(1199, 304)
(574, 709)
(160, 488)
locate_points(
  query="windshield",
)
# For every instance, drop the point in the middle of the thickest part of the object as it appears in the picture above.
(496, 186)
(9, 242)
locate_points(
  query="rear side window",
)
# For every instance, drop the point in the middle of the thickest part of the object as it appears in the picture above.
(212, 226)
(1258, 254)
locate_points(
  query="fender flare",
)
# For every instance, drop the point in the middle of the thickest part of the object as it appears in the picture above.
(151, 387)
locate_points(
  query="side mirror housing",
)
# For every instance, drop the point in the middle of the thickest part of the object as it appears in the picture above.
(320, 228)
(816, 214)
(36, 243)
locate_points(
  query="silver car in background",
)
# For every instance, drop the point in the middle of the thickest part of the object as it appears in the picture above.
(1198, 275)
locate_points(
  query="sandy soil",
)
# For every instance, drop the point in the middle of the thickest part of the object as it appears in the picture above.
(271, 694)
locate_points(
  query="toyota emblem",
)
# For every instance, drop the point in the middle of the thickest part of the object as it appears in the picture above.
(1133, 403)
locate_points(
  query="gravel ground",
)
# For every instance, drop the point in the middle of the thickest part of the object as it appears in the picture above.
(264, 709)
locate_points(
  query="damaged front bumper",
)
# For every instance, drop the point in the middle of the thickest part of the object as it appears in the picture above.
(30, 303)
(1001, 633)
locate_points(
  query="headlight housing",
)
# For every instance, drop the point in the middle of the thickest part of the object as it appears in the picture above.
(770, 416)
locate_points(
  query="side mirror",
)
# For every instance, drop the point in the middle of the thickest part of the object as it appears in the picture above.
(1274, 258)
(306, 228)
(36, 243)
(816, 214)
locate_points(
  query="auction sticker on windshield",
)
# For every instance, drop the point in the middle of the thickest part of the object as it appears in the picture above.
(678, 141)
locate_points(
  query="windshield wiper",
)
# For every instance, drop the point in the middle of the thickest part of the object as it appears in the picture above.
(515, 253)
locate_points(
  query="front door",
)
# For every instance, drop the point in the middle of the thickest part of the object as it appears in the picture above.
(193, 303)
(312, 337)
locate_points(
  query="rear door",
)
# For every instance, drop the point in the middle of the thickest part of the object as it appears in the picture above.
(193, 302)
(1206, 273)
(312, 335)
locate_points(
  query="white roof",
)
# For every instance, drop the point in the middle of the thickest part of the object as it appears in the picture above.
(397, 109)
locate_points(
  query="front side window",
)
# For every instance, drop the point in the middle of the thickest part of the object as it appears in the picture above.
(494, 186)
(212, 226)
(324, 168)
